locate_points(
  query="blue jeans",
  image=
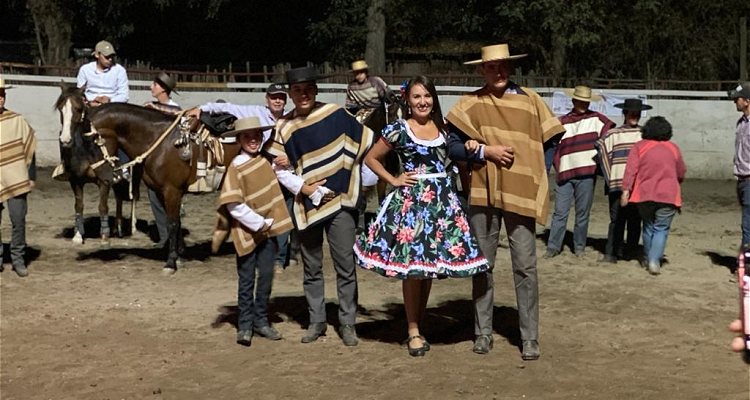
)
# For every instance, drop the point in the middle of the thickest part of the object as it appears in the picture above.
(657, 219)
(582, 192)
(252, 299)
(743, 194)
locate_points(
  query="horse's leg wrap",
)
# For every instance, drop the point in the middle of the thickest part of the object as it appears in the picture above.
(79, 225)
(104, 231)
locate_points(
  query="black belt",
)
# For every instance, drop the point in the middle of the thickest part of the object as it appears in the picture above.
(743, 178)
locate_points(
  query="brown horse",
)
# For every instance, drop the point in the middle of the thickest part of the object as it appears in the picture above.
(79, 154)
(140, 131)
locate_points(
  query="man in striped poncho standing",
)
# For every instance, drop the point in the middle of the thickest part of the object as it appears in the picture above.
(575, 163)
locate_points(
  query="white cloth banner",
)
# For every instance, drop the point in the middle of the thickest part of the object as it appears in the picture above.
(562, 104)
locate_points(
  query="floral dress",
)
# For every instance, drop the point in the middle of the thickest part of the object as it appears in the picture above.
(420, 231)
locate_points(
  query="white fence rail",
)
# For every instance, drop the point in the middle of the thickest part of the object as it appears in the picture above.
(704, 122)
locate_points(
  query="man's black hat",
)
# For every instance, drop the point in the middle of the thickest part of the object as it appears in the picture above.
(302, 74)
(633, 105)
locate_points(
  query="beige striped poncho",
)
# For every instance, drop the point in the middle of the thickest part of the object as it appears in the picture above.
(523, 121)
(253, 183)
(17, 146)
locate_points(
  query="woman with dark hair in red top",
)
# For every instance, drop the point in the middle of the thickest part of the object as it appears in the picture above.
(652, 179)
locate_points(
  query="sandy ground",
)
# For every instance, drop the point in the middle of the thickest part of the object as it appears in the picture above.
(105, 324)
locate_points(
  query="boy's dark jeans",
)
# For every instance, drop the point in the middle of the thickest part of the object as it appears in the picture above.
(252, 299)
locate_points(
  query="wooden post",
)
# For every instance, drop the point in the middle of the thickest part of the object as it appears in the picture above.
(743, 49)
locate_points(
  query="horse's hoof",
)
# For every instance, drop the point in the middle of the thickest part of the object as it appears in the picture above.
(168, 271)
(178, 262)
(78, 239)
(104, 244)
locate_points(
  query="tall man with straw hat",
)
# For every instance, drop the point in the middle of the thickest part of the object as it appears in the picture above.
(576, 166)
(325, 147)
(508, 183)
(365, 92)
(17, 146)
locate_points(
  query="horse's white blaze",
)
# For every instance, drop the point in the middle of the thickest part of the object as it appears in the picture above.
(67, 115)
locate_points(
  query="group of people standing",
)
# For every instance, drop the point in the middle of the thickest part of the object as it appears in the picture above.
(642, 173)
(302, 171)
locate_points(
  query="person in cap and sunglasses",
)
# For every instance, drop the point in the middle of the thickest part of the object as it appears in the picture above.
(276, 98)
(252, 207)
(507, 120)
(105, 80)
(741, 97)
(613, 150)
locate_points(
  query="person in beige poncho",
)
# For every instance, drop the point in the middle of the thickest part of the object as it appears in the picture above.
(511, 123)
(17, 146)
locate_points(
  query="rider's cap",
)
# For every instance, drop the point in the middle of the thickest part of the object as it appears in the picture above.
(276, 88)
(105, 48)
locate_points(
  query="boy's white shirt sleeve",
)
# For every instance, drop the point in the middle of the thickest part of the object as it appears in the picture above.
(289, 179)
(247, 217)
(294, 183)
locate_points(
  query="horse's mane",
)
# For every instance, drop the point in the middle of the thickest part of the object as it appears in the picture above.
(68, 91)
(127, 110)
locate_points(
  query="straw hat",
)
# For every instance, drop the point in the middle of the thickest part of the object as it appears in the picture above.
(2, 84)
(582, 93)
(495, 52)
(359, 65)
(244, 125)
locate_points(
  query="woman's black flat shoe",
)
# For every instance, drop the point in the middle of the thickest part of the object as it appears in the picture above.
(416, 351)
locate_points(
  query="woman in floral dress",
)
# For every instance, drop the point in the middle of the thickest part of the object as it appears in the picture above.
(421, 232)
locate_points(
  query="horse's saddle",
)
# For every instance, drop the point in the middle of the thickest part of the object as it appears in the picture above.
(217, 123)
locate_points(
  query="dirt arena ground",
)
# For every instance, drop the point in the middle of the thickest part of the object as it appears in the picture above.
(106, 324)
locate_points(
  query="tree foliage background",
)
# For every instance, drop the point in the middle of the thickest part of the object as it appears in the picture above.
(638, 39)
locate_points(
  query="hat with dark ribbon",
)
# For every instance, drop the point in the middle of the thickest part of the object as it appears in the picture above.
(359, 65)
(633, 105)
(244, 125)
(493, 53)
(582, 93)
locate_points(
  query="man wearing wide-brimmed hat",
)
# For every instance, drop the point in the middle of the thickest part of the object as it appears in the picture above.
(508, 183)
(105, 80)
(613, 150)
(325, 145)
(161, 89)
(575, 163)
(741, 97)
(17, 147)
(252, 207)
(365, 91)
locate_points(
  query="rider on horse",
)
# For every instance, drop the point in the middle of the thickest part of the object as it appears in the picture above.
(102, 81)
(365, 92)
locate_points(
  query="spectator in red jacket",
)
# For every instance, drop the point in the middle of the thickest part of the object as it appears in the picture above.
(653, 174)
